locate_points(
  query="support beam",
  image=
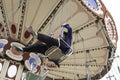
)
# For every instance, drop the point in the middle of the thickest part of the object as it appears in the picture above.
(22, 18)
(4, 17)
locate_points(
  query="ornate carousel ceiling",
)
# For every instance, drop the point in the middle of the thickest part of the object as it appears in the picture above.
(94, 34)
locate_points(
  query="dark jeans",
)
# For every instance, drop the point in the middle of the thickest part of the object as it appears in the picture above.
(48, 42)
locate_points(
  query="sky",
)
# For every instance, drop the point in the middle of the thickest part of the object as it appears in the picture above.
(113, 7)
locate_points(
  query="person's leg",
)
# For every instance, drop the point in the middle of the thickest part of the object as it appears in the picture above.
(44, 38)
(53, 42)
(47, 39)
(37, 47)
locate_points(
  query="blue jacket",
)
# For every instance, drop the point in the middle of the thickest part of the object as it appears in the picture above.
(67, 38)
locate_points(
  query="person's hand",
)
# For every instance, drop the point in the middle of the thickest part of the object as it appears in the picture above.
(63, 25)
(60, 36)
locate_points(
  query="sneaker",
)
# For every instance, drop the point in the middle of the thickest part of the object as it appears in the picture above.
(30, 30)
(56, 63)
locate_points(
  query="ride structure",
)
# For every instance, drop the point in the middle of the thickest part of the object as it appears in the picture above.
(94, 38)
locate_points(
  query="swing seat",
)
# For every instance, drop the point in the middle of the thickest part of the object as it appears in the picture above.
(33, 76)
(54, 53)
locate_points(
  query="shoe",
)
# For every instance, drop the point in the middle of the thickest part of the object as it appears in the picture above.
(30, 30)
(17, 49)
(56, 63)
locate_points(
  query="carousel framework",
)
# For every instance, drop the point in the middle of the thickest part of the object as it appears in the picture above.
(94, 39)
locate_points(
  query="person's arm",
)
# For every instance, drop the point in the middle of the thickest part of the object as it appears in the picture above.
(68, 27)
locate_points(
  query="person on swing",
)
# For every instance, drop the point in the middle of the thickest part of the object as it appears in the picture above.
(48, 41)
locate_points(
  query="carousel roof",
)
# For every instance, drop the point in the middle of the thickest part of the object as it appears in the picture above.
(94, 32)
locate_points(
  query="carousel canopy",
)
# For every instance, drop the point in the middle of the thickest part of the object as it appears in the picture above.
(94, 32)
